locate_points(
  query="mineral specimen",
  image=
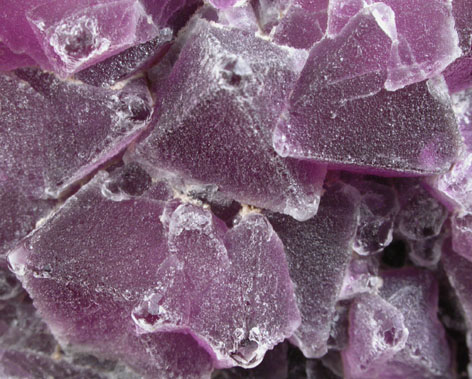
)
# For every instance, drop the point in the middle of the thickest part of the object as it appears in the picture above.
(225, 189)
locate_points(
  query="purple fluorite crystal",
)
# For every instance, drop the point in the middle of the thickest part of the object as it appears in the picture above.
(319, 248)
(228, 119)
(340, 97)
(235, 189)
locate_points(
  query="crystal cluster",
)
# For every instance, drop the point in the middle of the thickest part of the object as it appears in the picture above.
(236, 189)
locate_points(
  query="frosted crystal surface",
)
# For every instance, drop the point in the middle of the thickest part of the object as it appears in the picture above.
(239, 302)
(340, 97)
(459, 272)
(377, 332)
(319, 248)
(424, 41)
(398, 334)
(41, 151)
(377, 212)
(421, 216)
(426, 354)
(127, 63)
(455, 186)
(75, 35)
(76, 281)
(462, 11)
(461, 226)
(303, 25)
(228, 118)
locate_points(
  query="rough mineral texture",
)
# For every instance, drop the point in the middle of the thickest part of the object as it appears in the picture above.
(227, 189)
(319, 248)
(227, 118)
(340, 97)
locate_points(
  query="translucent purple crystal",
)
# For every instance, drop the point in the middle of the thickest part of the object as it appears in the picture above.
(56, 141)
(340, 97)
(398, 334)
(76, 35)
(319, 248)
(424, 41)
(10, 61)
(378, 209)
(229, 119)
(239, 302)
(303, 25)
(459, 272)
(75, 282)
(227, 189)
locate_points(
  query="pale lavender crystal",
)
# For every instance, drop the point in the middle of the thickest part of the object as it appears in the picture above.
(16, 32)
(230, 289)
(462, 11)
(421, 216)
(461, 228)
(426, 354)
(378, 209)
(339, 112)
(426, 252)
(10, 61)
(303, 25)
(269, 12)
(85, 288)
(362, 275)
(75, 35)
(398, 334)
(377, 331)
(424, 41)
(454, 188)
(318, 252)
(61, 131)
(274, 366)
(458, 75)
(459, 272)
(20, 212)
(171, 13)
(214, 119)
(223, 4)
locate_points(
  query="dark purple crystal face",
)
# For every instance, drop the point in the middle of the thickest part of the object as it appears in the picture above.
(265, 189)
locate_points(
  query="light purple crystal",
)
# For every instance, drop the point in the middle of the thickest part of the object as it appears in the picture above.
(16, 32)
(340, 97)
(377, 332)
(123, 65)
(461, 226)
(398, 334)
(421, 216)
(303, 25)
(222, 4)
(454, 187)
(377, 212)
(228, 119)
(231, 290)
(76, 281)
(10, 61)
(424, 41)
(459, 272)
(462, 11)
(75, 35)
(319, 248)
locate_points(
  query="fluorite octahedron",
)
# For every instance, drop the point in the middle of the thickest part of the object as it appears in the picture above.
(226, 189)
